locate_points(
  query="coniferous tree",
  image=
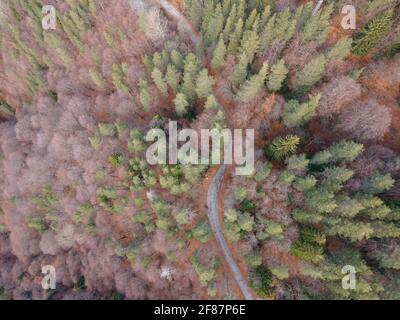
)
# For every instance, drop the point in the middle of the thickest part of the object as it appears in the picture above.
(172, 77)
(252, 86)
(311, 74)
(277, 76)
(373, 33)
(189, 77)
(234, 38)
(159, 81)
(239, 73)
(378, 183)
(218, 59)
(214, 27)
(144, 95)
(341, 49)
(181, 105)
(281, 147)
(296, 114)
(204, 84)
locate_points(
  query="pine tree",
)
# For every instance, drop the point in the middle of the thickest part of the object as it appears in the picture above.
(230, 23)
(250, 44)
(281, 147)
(320, 200)
(211, 103)
(316, 26)
(177, 59)
(251, 20)
(215, 27)
(118, 74)
(311, 74)
(341, 49)
(252, 86)
(378, 183)
(204, 84)
(234, 38)
(159, 81)
(297, 163)
(194, 12)
(181, 105)
(285, 26)
(277, 76)
(373, 33)
(227, 6)
(172, 77)
(267, 35)
(305, 183)
(144, 95)
(218, 59)
(322, 157)
(345, 151)
(296, 114)
(239, 74)
(97, 78)
(191, 69)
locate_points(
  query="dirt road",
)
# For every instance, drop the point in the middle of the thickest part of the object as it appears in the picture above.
(212, 196)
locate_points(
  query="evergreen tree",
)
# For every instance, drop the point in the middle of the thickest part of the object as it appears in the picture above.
(144, 95)
(250, 44)
(177, 59)
(211, 103)
(252, 86)
(373, 33)
(234, 38)
(219, 53)
(316, 27)
(297, 163)
(311, 74)
(194, 12)
(159, 81)
(305, 183)
(240, 72)
(277, 76)
(230, 23)
(345, 151)
(189, 77)
(322, 157)
(281, 147)
(204, 84)
(320, 201)
(181, 105)
(214, 27)
(251, 20)
(172, 77)
(378, 183)
(341, 49)
(296, 114)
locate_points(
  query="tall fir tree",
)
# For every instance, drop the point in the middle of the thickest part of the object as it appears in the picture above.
(277, 76)
(181, 105)
(219, 53)
(172, 77)
(159, 81)
(204, 84)
(252, 86)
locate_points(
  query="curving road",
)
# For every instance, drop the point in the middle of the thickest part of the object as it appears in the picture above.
(213, 190)
(213, 217)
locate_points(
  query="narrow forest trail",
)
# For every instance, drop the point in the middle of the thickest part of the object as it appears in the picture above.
(214, 187)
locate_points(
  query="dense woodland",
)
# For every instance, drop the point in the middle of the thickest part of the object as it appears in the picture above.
(76, 189)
